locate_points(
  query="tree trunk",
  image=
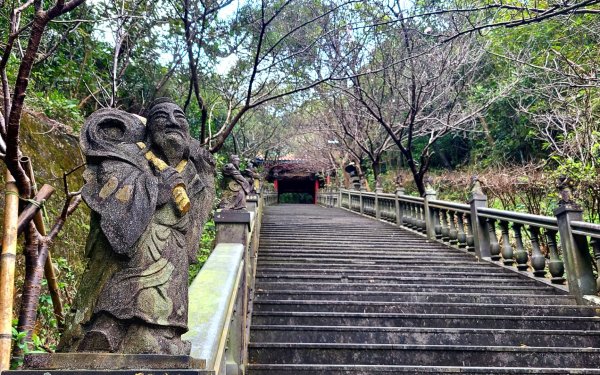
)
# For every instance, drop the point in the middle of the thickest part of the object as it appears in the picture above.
(376, 167)
(36, 252)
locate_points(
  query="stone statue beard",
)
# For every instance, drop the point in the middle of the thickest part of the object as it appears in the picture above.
(173, 146)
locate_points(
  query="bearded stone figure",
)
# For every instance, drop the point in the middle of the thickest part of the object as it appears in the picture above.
(234, 186)
(150, 188)
(252, 177)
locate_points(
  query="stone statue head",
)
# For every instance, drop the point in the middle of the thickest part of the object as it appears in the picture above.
(235, 160)
(399, 180)
(168, 130)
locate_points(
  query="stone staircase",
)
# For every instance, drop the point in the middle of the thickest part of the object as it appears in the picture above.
(338, 293)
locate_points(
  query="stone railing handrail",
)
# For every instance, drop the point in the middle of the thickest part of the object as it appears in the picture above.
(220, 296)
(408, 198)
(213, 294)
(450, 205)
(582, 228)
(270, 198)
(512, 238)
(539, 221)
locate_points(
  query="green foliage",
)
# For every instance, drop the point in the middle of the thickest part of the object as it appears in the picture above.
(46, 334)
(585, 181)
(207, 244)
(296, 198)
(57, 107)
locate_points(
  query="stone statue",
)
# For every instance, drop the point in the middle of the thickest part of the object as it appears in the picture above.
(399, 181)
(378, 185)
(476, 189)
(352, 171)
(429, 185)
(235, 187)
(150, 189)
(565, 187)
(252, 177)
(399, 184)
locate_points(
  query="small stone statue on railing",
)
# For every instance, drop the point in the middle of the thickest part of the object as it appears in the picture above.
(235, 186)
(476, 189)
(354, 176)
(429, 185)
(150, 188)
(565, 191)
(252, 177)
(399, 184)
(378, 185)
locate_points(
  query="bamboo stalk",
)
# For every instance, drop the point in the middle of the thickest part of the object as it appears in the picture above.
(7, 269)
(49, 273)
(36, 250)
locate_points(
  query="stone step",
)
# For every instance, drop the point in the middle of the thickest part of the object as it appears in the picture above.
(397, 279)
(328, 318)
(342, 285)
(311, 369)
(335, 236)
(353, 295)
(320, 251)
(391, 244)
(367, 268)
(423, 308)
(407, 262)
(423, 355)
(316, 256)
(424, 336)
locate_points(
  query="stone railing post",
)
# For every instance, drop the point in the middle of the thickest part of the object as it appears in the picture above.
(576, 256)
(378, 190)
(360, 200)
(232, 226)
(481, 237)
(399, 208)
(429, 195)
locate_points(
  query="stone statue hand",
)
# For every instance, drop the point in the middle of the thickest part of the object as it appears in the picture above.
(169, 178)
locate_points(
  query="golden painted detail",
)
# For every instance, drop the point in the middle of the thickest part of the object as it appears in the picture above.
(143, 120)
(181, 166)
(124, 193)
(109, 187)
(179, 194)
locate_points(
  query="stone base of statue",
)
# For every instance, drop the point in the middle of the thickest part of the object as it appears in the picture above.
(103, 363)
(233, 225)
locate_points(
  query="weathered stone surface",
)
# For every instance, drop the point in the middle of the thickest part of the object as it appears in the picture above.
(106, 361)
(235, 186)
(252, 176)
(150, 189)
(143, 371)
(233, 225)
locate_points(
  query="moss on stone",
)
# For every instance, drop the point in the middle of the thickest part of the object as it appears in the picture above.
(54, 150)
